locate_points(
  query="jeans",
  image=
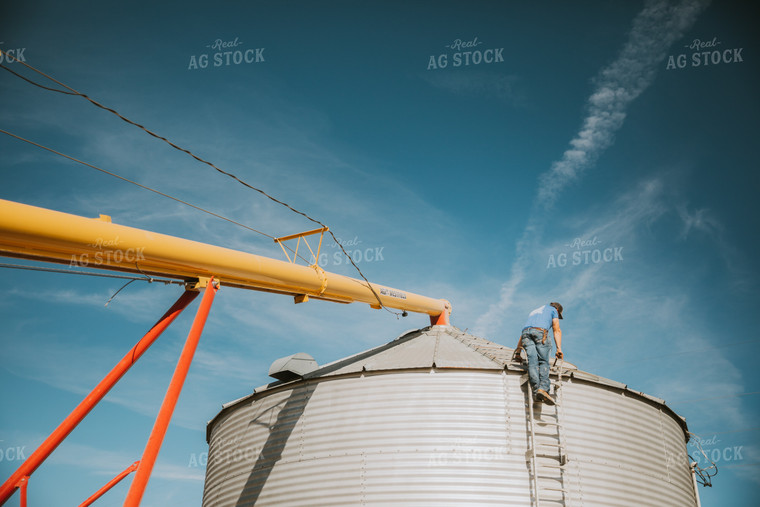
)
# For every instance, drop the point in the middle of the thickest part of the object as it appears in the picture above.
(538, 358)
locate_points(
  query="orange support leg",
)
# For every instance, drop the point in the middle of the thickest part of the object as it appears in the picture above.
(113, 482)
(97, 394)
(140, 482)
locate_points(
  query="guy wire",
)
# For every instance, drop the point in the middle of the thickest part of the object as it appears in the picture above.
(199, 159)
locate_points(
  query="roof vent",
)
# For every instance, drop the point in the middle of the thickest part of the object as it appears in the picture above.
(292, 367)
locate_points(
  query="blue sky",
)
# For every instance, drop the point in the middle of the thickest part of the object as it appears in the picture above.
(479, 183)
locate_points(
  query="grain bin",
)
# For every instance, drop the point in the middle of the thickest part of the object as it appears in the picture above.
(441, 417)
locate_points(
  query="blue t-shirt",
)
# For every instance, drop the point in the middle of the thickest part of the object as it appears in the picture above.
(542, 317)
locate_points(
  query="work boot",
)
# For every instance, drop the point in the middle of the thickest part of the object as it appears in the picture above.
(542, 395)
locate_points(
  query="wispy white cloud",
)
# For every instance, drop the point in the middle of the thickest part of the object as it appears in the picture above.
(108, 463)
(619, 222)
(134, 302)
(748, 471)
(654, 29)
(700, 220)
(703, 224)
(173, 472)
(639, 324)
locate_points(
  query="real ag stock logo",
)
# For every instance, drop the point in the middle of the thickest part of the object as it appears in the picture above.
(584, 252)
(464, 53)
(107, 252)
(355, 249)
(705, 451)
(704, 53)
(12, 55)
(225, 53)
(12, 452)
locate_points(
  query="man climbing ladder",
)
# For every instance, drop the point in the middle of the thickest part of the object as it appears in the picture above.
(533, 340)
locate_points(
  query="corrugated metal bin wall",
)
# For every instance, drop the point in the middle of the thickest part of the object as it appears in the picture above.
(624, 449)
(437, 437)
(406, 437)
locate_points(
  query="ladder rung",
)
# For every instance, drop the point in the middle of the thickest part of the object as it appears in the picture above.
(547, 456)
(547, 452)
(555, 457)
(556, 407)
(561, 467)
(555, 489)
(554, 453)
(561, 458)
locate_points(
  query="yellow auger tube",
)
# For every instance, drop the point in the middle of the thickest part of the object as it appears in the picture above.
(37, 233)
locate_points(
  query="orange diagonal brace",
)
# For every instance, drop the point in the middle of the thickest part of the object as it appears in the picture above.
(140, 482)
(110, 484)
(92, 399)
